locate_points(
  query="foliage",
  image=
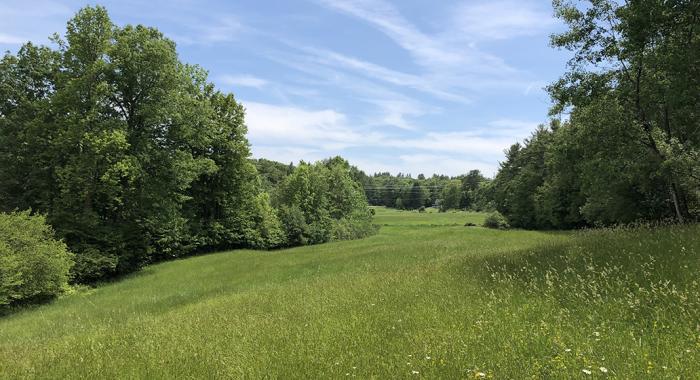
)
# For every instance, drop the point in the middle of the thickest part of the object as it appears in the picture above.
(131, 154)
(322, 202)
(633, 79)
(33, 264)
(629, 149)
(272, 173)
(496, 220)
(451, 196)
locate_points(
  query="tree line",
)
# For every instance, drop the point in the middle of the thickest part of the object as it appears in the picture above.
(130, 156)
(402, 191)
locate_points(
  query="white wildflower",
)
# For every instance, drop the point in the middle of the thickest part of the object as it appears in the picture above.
(587, 371)
(603, 369)
(481, 374)
(567, 350)
(414, 372)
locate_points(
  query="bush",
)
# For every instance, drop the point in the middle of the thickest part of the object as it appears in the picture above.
(33, 265)
(421, 209)
(496, 220)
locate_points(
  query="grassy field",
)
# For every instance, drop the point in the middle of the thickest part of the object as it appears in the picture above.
(424, 298)
(398, 218)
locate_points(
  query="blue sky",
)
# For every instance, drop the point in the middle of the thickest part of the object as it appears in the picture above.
(402, 86)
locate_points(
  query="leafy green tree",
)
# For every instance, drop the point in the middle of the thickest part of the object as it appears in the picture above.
(451, 196)
(321, 202)
(414, 196)
(470, 185)
(518, 179)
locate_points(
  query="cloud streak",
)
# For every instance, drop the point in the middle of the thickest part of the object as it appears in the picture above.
(243, 81)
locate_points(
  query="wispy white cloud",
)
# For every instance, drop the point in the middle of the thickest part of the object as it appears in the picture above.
(11, 10)
(387, 18)
(450, 165)
(243, 81)
(500, 19)
(465, 143)
(324, 129)
(22, 21)
(389, 107)
(435, 52)
(427, 84)
(209, 30)
(516, 129)
(10, 39)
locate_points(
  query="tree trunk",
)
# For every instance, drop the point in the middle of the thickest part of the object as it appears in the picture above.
(674, 196)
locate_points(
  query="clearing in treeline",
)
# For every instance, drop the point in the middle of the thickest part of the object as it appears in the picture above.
(424, 298)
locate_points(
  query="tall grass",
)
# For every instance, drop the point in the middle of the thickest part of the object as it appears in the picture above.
(422, 299)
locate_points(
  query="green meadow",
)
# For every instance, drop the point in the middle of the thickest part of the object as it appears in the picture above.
(426, 297)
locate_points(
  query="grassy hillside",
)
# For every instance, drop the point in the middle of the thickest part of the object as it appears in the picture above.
(418, 300)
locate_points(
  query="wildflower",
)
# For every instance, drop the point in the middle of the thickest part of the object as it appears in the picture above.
(480, 374)
(427, 358)
(567, 350)
(414, 372)
(603, 369)
(596, 333)
(586, 371)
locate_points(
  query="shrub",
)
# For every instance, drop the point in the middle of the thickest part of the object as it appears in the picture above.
(496, 220)
(33, 265)
(421, 209)
(356, 226)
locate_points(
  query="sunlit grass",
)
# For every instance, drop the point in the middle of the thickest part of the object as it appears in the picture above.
(417, 300)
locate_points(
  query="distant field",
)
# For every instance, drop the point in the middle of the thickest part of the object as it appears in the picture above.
(414, 301)
(431, 216)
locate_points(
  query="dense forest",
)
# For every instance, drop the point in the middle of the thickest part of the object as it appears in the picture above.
(132, 156)
(126, 155)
